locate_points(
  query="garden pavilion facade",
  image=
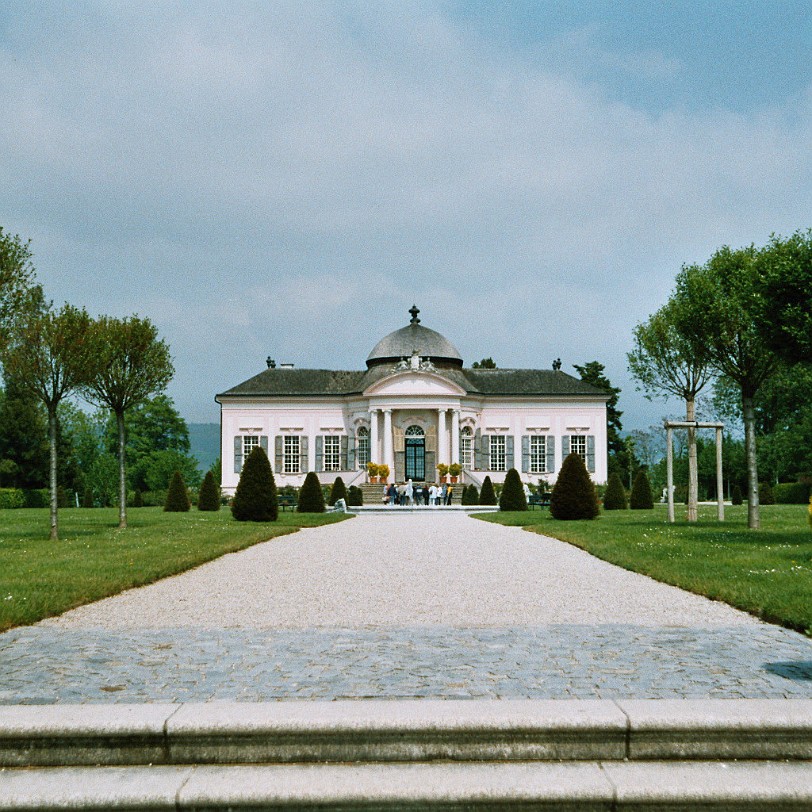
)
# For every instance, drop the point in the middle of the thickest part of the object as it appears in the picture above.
(413, 407)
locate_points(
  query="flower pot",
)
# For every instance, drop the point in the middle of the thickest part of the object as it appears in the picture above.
(373, 480)
(453, 480)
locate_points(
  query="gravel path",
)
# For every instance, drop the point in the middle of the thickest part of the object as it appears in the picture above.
(406, 570)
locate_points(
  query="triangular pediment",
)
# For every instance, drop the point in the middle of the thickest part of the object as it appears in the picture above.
(415, 384)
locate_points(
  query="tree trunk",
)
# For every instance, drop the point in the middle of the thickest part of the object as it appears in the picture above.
(122, 473)
(693, 478)
(52, 473)
(753, 521)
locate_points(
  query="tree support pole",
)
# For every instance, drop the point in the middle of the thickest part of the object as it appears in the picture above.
(670, 472)
(720, 484)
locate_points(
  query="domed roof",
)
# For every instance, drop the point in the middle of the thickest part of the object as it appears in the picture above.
(413, 338)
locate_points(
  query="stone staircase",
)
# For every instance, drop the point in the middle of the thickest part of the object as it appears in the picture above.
(429, 754)
(373, 494)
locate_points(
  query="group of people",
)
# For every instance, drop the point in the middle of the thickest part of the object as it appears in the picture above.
(407, 493)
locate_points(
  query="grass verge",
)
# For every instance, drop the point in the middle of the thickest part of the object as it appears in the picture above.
(94, 559)
(766, 572)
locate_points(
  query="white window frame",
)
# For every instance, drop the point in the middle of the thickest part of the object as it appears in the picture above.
(467, 448)
(364, 453)
(291, 454)
(578, 445)
(249, 443)
(538, 454)
(331, 460)
(498, 453)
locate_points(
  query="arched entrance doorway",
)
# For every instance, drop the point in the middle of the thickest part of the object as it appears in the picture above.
(415, 454)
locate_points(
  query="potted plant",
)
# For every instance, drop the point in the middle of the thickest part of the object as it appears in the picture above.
(372, 471)
(383, 472)
(442, 470)
(454, 470)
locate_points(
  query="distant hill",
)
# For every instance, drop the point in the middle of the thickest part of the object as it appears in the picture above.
(205, 440)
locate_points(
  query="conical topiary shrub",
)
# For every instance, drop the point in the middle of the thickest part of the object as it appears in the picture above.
(736, 497)
(512, 496)
(338, 491)
(573, 495)
(355, 496)
(255, 499)
(641, 498)
(87, 498)
(138, 498)
(470, 496)
(311, 496)
(487, 496)
(209, 496)
(765, 494)
(177, 497)
(615, 496)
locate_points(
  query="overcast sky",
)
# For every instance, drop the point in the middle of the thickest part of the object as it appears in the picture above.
(286, 179)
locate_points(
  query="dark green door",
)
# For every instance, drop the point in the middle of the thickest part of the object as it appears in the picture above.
(416, 458)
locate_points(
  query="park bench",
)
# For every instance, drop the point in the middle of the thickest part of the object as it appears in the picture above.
(538, 501)
(286, 501)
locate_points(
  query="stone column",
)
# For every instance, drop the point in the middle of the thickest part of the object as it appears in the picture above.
(455, 435)
(388, 456)
(373, 436)
(442, 437)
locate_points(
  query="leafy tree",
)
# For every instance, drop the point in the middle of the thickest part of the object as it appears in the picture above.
(615, 496)
(102, 479)
(574, 495)
(131, 364)
(311, 496)
(177, 497)
(208, 497)
(640, 497)
(783, 307)
(485, 363)
(715, 314)
(666, 363)
(18, 293)
(23, 438)
(487, 496)
(338, 491)
(47, 355)
(255, 499)
(512, 496)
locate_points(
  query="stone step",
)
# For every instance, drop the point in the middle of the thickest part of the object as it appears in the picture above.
(613, 785)
(415, 731)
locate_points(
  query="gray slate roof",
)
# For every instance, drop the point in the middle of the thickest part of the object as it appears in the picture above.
(415, 337)
(284, 382)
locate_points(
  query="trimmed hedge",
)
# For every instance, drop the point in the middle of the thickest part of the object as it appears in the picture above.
(338, 491)
(311, 496)
(177, 497)
(255, 498)
(209, 496)
(641, 498)
(791, 493)
(614, 498)
(765, 494)
(574, 495)
(512, 496)
(487, 496)
(355, 496)
(11, 498)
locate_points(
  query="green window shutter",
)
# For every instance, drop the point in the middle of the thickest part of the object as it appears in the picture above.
(550, 454)
(344, 455)
(263, 443)
(319, 453)
(525, 454)
(479, 441)
(509, 452)
(352, 452)
(565, 447)
(278, 442)
(303, 460)
(590, 453)
(237, 454)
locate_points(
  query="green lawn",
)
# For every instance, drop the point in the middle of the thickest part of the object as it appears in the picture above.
(93, 558)
(767, 572)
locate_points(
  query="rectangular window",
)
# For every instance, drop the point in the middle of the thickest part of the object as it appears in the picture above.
(290, 455)
(578, 446)
(498, 456)
(363, 450)
(538, 454)
(332, 453)
(467, 451)
(248, 445)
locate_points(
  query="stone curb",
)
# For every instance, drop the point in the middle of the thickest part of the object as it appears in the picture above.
(578, 785)
(405, 730)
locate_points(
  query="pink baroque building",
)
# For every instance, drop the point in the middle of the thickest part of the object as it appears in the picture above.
(414, 406)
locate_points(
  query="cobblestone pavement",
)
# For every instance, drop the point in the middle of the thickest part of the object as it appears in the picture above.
(48, 665)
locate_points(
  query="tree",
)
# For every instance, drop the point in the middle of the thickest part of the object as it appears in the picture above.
(255, 499)
(640, 497)
(715, 314)
(131, 363)
(338, 491)
(23, 438)
(17, 289)
(783, 284)
(512, 496)
(573, 495)
(667, 363)
(487, 496)
(485, 363)
(311, 496)
(177, 497)
(208, 498)
(615, 496)
(48, 356)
